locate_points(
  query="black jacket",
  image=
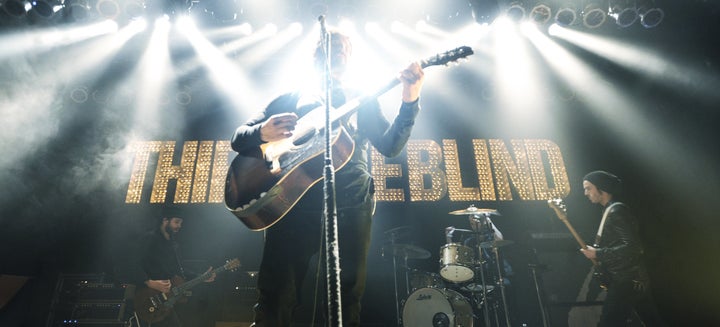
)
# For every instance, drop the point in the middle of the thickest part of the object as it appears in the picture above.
(370, 127)
(620, 250)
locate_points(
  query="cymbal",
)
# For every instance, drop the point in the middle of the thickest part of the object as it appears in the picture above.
(474, 211)
(398, 230)
(460, 230)
(496, 244)
(407, 251)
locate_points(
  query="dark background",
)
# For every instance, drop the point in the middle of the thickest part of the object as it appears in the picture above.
(62, 209)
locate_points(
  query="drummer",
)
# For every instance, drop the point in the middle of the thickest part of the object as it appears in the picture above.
(488, 232)
(483, 224)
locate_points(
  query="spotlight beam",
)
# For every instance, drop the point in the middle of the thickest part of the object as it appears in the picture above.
(224, 73)
(642, 61)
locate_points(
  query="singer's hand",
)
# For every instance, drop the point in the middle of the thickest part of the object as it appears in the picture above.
(412, 79)
(278, 127)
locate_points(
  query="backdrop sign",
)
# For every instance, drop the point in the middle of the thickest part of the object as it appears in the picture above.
(492, 170)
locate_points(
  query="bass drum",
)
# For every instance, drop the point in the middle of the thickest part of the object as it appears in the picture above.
(431, 307)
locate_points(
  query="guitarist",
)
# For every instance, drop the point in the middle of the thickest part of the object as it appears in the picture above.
(156, 265)
(291, 242)
(619, 253)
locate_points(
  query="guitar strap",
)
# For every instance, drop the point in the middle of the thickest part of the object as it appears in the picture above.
(598, 236)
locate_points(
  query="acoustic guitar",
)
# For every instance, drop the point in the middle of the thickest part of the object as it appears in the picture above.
(261, 190)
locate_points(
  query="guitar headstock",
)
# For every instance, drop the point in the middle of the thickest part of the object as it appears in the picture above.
(448, 56)
(559, 206)
(232, 264)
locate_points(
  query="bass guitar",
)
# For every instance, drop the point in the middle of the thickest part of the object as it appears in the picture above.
(561, 211)
(261, 190)
(153, 306)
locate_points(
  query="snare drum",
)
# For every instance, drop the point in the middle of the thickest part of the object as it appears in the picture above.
(456, 263)
(430, 307)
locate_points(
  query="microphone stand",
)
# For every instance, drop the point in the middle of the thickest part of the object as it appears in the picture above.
(330, 210)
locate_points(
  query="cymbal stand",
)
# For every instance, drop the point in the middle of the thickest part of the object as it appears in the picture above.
(393, 237)
(486, 313)
(479, 238)
(543, 309)
(406, 268)
(501, 281)
(486, 230)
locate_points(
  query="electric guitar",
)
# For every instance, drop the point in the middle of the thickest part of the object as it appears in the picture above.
(153, 306)
(261, 190)
(561, 211)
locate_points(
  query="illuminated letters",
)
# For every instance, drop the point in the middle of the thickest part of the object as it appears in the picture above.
(520, 170)
(191, 175)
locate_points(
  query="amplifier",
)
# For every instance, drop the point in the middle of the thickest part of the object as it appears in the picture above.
(90, 312)
(95, 292)
(80, 323)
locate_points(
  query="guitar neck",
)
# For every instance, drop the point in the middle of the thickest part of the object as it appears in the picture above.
(559, 208)
(579, 240)
(197, 280)
(351, 106)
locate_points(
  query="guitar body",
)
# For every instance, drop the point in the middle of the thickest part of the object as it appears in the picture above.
(153, 306)
(260, 197)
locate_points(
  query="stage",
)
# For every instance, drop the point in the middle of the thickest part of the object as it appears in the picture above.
(105, 123)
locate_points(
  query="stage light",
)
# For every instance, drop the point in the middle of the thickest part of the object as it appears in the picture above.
(134, 9)
(515, 11)
(77, 10)
(594, 15)
(566, 15)
(484, 11)
(223, 11)
(541, 14)
(624, 12)
(108, 9)
(16, 8)
(650, 14)
(44, 11)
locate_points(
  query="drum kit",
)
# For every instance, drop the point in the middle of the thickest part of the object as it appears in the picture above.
(469, 289)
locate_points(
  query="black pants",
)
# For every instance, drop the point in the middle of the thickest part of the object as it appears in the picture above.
(291, 243)
(622, 298)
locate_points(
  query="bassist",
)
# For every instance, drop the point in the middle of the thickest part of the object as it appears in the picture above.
(619, 252)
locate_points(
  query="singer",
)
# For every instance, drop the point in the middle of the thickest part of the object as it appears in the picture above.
(291, 242)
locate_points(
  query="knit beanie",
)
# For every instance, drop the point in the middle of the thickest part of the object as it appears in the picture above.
(604, 181)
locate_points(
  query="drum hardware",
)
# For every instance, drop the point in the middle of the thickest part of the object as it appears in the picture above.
(477, 288)
(496, 244)
(422, 279)
(501, 282)
(486, 238)
(406, 252)
(543, 310)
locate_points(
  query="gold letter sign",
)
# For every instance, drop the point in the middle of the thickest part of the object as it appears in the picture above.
(526, 170)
